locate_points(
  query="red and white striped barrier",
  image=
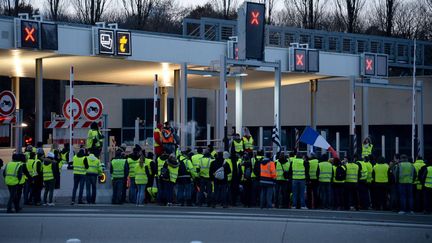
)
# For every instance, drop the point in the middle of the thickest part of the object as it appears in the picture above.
(6, 120)
(65, 124)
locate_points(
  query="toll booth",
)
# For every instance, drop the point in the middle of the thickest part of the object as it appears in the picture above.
(60, 129)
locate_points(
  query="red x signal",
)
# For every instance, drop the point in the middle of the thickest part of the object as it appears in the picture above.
(299, 59)
(255, 15)
(29, 34)
(369, 63)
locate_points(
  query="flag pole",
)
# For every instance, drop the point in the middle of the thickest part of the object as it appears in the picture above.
(413, 128)
(71, 113)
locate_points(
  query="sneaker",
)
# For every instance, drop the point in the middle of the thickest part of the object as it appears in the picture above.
(72, 203)
(304, 208)
(51, 204)
(45, 204)
(412, 212)
(401, 212)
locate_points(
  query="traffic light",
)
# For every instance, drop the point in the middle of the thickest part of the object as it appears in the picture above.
(29, 34)
(251, 26)
(374, 65)
(303, 60)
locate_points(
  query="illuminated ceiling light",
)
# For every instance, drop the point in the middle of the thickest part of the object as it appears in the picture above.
(17, 62)
(166, 75)
(207, 75)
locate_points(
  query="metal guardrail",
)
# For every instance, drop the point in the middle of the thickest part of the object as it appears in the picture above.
(400, 51)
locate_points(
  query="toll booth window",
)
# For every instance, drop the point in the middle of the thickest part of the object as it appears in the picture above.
(30, 34)
(49, 36)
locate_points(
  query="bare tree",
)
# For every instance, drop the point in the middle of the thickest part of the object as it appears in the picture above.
(55, 9)
(412, 21)
(348, 12)
(138, 11)
(269, 9)
(226, 7)
(13, 7)
(304, 13)
(383, 14)
(90, 11)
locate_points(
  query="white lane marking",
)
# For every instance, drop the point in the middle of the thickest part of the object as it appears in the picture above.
(196, 241)
(258, 218)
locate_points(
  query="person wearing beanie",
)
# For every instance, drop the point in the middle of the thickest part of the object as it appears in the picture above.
(219, 171)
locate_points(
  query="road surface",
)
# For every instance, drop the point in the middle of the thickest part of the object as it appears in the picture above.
(127, 223)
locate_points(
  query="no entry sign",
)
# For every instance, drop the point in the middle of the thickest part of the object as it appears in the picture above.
(76, 107)
(93, 108)
(7, 103)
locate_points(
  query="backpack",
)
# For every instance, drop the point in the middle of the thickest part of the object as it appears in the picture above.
(164, 174)
(220, 173)
(340, 173)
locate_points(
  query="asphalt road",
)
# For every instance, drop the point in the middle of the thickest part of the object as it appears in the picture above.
(127, 223)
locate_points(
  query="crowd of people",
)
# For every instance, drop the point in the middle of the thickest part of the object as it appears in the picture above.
(239, 176)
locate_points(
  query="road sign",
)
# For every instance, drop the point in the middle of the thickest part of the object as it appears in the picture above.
(124, 43)
(106, 41)
(76, 106)
(93, 108)
(7, 103)
(251, 25)
(29, 34)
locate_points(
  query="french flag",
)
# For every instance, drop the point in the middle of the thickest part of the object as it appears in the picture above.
(311, 137)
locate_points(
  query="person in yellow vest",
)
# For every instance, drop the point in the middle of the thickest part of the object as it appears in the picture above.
(14, 176)
(245, 170)
(50, 169)
(80, 165)
(393, 186)
(248, 140)
(281, 190)
(426, 180)
(141, 179)
(237, 145)
(212, 151)
(405, 175)
(205, 186)
(312, 185)
(64, 155)
(168, 191)
(380, 176)
(29, 164)
(418, 190)
(231, 178)
(324, 174)
(369, 167)
(37, 178)
(353, 174)
(119, 170)
(196, 158)
(363, 188)
(132, 161)
(338, 180)
(219, 172)
(186, 172)
(168, 139)
(92, 174)
(94, 140)
(367, 148)
(299, 172)
(161, 184)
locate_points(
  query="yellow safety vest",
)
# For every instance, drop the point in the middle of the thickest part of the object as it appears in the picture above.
(313, 166)
(47, 172)
(140, 175)
(352, 173)
(325, 174)
(94, 166)
(381, 173)
(238, 146)
(428, 181)
(12, 169)
(173, 173)
(280, 169)
(418, 164)
(205, 167)
(229, 162)
(298, 169)
(367, 150)
(196, 159)
(248, 143)
(160, 164)
(364, 171)
(334, 175)
(118, 166)
(78, 165)
(132, 165)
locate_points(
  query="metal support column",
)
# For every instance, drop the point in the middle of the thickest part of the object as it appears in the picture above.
(16, 90)
(420, 121)
(176, 96)
(183, 105)
(352, 117)
(105, 151)
(365, 112)
(18, 131)
(222, 99)
(163, 104)
(39, 101)
(239, 104)
(277, 88)
(313, 88)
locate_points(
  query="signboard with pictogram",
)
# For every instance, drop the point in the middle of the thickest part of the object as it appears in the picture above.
(76, 107)
(93, 108)
(7, 103)
(29, 34)
(124, 43)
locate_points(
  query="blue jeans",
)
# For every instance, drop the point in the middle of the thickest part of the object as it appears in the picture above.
(141, 194)
(132, 191)
(298, 188)
(79, 180)
(406, 197)
(184, 193)
(266, 195)
(117, 190)
(91, 180)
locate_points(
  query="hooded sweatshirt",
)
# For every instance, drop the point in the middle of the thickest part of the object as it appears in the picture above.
(215, 165)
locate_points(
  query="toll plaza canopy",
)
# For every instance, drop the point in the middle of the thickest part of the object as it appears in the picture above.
(148, 52)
